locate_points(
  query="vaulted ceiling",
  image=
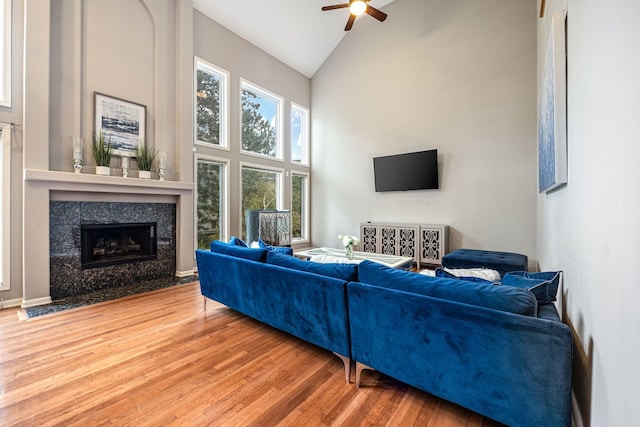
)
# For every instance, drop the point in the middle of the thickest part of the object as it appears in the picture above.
(297, 32)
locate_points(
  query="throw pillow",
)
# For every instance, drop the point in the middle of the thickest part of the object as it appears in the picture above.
(544, 285)
(259, 255)
(348, 272)
(442, 272)
(282, 249)
(236, 241)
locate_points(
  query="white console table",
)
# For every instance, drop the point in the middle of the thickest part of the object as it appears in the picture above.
(425, 243)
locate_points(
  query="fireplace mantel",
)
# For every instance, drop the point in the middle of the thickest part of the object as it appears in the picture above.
(69, 181)
(41, 186)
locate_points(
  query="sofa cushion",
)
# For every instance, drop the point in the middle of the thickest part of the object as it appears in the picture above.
(259, 255)
(348, 272)
(503, 298)
(281, 249)
(544, 285)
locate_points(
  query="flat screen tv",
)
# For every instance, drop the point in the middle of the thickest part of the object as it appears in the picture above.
(409, 171)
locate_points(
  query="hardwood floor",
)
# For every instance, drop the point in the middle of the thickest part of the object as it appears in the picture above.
(159, 359)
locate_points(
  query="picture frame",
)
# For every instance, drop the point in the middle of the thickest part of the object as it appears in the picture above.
(122, 122)
(552, 110)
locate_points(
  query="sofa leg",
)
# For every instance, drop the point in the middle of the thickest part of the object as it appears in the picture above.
(347, 366)
(205, 303)
(359, 368)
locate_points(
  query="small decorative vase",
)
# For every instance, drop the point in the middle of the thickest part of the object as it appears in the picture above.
(144, 174)
(103, 170)
(349, 251)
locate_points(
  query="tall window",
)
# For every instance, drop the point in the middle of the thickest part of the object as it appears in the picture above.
(260, 190)
(5, 53)
(299, 206)
(261, 117)
(299, 134)
(211, 201)
(211, 104)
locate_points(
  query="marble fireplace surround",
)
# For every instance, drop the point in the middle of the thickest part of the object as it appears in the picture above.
(42, 186)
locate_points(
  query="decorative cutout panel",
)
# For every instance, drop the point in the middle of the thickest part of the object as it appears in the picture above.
(369, 238)
(424, 243)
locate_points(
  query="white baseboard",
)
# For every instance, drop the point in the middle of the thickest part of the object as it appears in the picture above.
(185, 273)
(11, 303)
(36, 302)
(576, 418)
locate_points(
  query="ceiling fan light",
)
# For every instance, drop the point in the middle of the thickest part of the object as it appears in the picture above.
(357, 7)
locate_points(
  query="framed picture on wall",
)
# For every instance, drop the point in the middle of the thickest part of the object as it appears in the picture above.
(552, 110)
(122, 123)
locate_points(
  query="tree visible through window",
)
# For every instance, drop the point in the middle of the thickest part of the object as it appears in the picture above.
(209, 203)
(298, 206)
(260, 118)
(210, 104)
(259, 191)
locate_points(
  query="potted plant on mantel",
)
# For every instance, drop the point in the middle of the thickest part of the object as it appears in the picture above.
(144, 157)
(102, 153)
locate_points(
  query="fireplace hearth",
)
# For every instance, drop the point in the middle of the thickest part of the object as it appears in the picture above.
(102, 245)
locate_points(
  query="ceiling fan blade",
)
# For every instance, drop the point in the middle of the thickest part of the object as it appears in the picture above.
(335, 6)
(352, 19)
(372, 11)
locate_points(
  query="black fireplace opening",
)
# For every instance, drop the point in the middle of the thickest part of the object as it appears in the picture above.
(112, 244)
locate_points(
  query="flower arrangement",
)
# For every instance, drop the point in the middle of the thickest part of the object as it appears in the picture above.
(348, 242)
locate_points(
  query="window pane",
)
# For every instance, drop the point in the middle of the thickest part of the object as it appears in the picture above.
(259, 191)
(299, 134)
(298, 204)
(260, 118)
(210, 200)
(209, 99)
(5, 53)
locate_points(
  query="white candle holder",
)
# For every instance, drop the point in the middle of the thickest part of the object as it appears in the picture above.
(78, 155)
(162, 165)
(124, 162)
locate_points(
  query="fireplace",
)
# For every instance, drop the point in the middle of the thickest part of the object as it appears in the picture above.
(81, 263)
(102, 245)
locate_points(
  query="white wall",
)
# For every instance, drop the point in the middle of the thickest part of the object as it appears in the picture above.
(590, 228)
(458, 76)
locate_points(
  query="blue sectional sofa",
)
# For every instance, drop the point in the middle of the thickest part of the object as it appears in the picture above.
(494, 349)
(306, 304)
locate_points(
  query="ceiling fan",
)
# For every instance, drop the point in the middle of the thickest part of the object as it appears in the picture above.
(357, 8)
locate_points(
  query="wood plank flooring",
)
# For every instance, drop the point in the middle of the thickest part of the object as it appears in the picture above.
(159, 359)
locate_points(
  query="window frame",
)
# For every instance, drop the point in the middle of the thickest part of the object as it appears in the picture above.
(5, 207)
(263, 168)
(279, 119)
(5, 45)
(224, 75)
(305, 217)
(225, 209)
(306, 132)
